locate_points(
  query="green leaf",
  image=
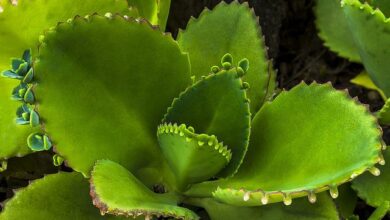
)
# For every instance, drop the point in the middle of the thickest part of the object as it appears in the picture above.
(193, 157)
(298, 148)
(12, 136)
(300, 210)
(384, 113)
(21, 25)
(228, 28)
(60, 196)
(334, 29)
(371, 32)
(375, 190)
(102, 85)
(364, 80)
(117, 191)
(346, 201)
(154, 11)
(380, 212)
(217, 105)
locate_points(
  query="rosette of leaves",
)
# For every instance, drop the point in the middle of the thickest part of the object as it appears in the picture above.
(360, 32)
(157, 133)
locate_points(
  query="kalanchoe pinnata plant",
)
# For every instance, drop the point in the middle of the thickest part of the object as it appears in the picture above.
(159, 127)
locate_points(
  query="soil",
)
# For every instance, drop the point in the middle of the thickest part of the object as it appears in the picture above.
(297, 52)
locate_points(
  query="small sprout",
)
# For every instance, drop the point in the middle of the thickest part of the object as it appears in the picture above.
(227, 65)
(215, 69)
(39, 142)
(227, 58)
(245, 85)
(34, 118)
(20, 68)
(244, 64)
(57, 160)
(29, 96)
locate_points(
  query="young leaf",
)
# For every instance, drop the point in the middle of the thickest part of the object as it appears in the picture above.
(229, 28)
(12, 136)
(117, 191)
(116, 79)
(364, 80)
(298, 148)
(334, 29)
(60, 196)
(217, 105)
(300, 210)
(371, 33)
(374, 190)
(193, 157)
(21, 25)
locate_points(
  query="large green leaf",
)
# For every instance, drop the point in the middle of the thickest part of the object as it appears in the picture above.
(102, 86)
(375, 190)
(155, 11)
(117, 191)
(217, 105)
(298, 148)
(228, 28)
(12, 136)
(21, 25)
(324, 209)
(371, 32)
(334, 29)
(60, 196)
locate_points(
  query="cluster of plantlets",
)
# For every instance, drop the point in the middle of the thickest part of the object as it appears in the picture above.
(155, 127)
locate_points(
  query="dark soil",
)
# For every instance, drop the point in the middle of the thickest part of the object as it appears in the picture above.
(297, 52)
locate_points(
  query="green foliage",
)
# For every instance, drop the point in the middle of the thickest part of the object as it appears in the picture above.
(100, 92)
(59, 196)
(240, 35)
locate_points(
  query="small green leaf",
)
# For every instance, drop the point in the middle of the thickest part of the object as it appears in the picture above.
(117, 191)
(216, 105)
(334, 29)
(311, 145)
(300, 210)
(229, 28)
(60, 196)
(39, 142)
(193, 157)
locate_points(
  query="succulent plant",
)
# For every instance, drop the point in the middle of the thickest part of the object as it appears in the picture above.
(160, 126)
